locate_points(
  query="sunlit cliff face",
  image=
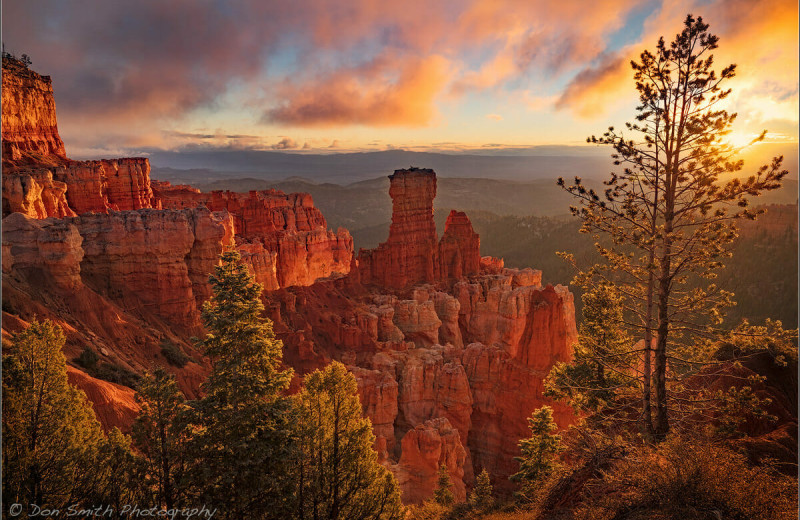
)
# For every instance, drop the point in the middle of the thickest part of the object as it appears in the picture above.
(327, 76)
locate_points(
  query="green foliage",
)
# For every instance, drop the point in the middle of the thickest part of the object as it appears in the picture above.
(242, 428)
(52, 441)
(245, 355)
(160, 434)
(428, 510)
(481, 499)
(598, 380)
(174, 354)
(538, 452)
(336, 472)
(690, 478)
(116, 374)
(88, 358)
(443, 495)
(765, 355)
(119, 474)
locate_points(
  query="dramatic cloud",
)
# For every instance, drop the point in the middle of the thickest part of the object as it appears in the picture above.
(593, 89)
(150, 73)
(384, 92)
(755, 35)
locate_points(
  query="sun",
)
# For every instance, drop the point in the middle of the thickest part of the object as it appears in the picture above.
(739, 139)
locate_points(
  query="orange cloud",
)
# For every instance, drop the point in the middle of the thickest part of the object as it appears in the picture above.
(759, 36)
(387, 91)
(592, 91)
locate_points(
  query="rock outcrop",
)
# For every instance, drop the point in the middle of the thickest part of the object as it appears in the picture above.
(410, 255)
(30, 129)
(413, 254)
(36, 194)
(459, 250)
(100, 186)
(150, 262)
(283, 237)
(425, 448)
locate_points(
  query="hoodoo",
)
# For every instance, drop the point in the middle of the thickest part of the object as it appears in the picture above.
(413, 254)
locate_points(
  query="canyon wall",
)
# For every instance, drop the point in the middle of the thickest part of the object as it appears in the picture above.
(30, 129)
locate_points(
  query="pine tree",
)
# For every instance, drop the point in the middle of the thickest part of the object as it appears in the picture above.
(443, 494)
(160, 435)
(670, 216)
(119, 475)
(481, 498)
(602, 378)
(242, 440)
(538, 452)
(337, 474)
(51, 438)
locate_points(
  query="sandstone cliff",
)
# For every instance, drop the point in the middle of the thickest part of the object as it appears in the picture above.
(30, 131)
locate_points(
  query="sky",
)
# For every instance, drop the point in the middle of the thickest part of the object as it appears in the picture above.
(320, 76)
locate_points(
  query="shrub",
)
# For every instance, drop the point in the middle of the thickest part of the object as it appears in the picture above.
(116, 374)
(174, 354)
(88, 358)
(689, 478)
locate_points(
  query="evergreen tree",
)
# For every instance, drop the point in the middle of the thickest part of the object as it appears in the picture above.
(119, 475)
(670, 216)
(602, 378)
(538, 452)
(51, 438)
(443, 494)
(242, 441)
(337, 474)
(481, 498)
(160, 435)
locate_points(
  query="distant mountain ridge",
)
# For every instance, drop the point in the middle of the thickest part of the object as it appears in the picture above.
(205, 166)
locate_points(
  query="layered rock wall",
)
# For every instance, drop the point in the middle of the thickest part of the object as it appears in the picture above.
(282, 236)
(36, 194)
(30, 129)
(150, 262)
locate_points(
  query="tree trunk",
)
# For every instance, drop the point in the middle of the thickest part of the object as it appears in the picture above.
(648, 342)
(662, 421)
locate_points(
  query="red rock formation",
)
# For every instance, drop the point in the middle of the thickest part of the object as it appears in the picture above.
(126, 276)
(424, 449)
(150, 262)
(378, 393)
(30, 130)
(283, 237)
(34, 193)
(100, 186)
(459, 250)
(179, 196)
(410, 255)
(113, 404)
